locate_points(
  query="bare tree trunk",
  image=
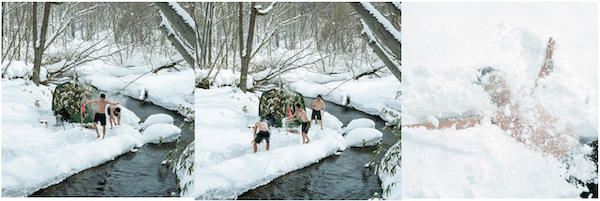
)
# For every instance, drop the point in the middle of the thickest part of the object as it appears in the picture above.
(248, 52)
(241, 36)
(381, 54)
(39, 45)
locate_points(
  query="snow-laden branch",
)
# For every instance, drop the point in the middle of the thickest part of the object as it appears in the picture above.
(281, 24)
(397, 5)
(368, 36)
(179, 45)
(382, 20)
(265, 11)
(63, 26)
(186, 17)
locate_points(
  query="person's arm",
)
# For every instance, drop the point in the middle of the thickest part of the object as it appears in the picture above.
(255, 125)
(295, 115)
(547, 66)
(459, 123)
(323, 109)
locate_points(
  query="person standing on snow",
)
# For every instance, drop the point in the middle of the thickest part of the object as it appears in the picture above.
(263, 134)
(305, 122)
(317, 104)
(100, 116)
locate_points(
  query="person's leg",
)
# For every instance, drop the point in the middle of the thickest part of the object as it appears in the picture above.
(268, 144)
(119, 119)
(96, 128)
(103, 131)
(254, 146)
(321, 122)
(111, 119)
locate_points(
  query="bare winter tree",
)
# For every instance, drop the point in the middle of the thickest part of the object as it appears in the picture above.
(383, 30)
(39, 43)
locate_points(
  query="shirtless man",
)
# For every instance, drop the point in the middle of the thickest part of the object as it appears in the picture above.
(114, 110)
(305, 122)
(100, 116)
(511, 119)
(317, 104)
(263, 133)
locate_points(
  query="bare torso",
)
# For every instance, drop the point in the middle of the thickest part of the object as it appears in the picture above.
(317, 104)
(101, 105)
(303, 115)
(262, 126)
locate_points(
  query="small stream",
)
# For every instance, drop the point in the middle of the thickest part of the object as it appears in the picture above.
(334, 177)
(131, 174)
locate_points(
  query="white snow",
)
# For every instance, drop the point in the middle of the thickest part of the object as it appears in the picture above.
(225, 162)
(368, 136)
(35, 155)
(266, 10)
(157, 118)
(359, 123)
(447, 43)
(156, 132)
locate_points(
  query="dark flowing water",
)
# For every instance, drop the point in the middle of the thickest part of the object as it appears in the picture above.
(131, 174)
(334, 177)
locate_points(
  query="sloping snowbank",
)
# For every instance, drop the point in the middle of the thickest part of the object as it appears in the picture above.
(166, 89)
(157, 118)
(479, 162)
(225, 162)
(35, 156)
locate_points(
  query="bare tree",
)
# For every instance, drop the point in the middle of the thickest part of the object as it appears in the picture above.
(39, 43)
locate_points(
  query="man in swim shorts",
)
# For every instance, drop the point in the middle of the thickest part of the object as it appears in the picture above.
(100, 116)
(263, 134)
(317, 104)
(305, 122)
(114, 111)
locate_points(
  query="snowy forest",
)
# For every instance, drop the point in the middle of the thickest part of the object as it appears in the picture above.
(195, 70)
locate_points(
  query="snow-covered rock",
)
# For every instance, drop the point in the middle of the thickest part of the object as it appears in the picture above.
(168, 133)
(356, 137)
(157, 118)
(359, 123)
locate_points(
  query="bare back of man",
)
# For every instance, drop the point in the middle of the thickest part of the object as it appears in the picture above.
(262, 134)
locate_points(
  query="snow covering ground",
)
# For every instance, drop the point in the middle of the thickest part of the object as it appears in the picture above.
(170, 89)
(36, 155)
(155, 119)
(225, 163)
(444, 45)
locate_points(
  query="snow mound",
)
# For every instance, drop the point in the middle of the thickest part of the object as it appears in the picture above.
(359, 123)
(155, 119)
(356, 137)
(168, 133)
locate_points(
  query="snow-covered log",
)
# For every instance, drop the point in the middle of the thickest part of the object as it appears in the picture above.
(369, 38)
(166, 28)
(379, 25)
(180, 19)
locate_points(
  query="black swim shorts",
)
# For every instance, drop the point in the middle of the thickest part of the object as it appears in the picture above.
(317, 114)
(262, 135)
(305, 127)
(101, 118)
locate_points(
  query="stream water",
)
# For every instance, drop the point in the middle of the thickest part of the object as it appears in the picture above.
(334, 177)
(131, 174)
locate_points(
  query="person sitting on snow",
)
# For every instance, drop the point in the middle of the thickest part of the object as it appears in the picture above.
(263, 134)
(305, 122)
(116, 111)
(317, 104)
(511, 119)
(100, 116)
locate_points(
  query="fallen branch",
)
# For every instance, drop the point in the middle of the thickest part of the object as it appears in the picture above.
(372, 72)
(169, 65)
